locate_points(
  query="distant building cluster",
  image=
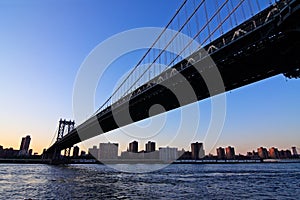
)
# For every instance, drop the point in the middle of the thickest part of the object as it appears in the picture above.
(262, 153)
(109, 152)
(227, 153)
(274, 153)
(23, 152)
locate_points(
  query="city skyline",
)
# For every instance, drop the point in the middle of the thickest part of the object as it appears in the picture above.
(196, 152)
(43, 47)
(150, 146)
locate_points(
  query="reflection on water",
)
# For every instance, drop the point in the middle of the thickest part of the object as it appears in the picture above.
(236, 181)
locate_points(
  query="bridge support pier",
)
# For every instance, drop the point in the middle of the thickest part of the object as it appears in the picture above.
(68, 152)
(55, 158)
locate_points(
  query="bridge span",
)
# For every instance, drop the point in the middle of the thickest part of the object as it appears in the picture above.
(263, 46)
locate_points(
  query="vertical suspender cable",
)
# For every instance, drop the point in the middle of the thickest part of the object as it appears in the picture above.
(258, 6)
(197, 21)
(219, 16)
(250, 6)
(206, 17)
(243, 11)
(230, 20)
(180, 37)
(188, 29)
(234, 15)
(159, 61)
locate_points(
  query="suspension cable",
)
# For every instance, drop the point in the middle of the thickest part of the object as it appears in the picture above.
(240, 3)
(54, 135)
(201, 3)
(203, 28)
(144, 56)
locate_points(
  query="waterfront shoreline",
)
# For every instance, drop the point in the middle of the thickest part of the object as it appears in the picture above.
(41, 161)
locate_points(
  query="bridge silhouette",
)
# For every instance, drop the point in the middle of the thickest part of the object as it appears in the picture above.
(247, 41)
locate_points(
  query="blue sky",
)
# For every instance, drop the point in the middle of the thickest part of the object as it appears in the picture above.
(43, 44)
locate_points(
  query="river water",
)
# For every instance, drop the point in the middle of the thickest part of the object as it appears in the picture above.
(190, 181)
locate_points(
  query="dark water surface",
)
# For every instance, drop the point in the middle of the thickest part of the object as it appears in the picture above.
(219, 181)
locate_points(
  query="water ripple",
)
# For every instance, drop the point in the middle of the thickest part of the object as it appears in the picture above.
(224, 181)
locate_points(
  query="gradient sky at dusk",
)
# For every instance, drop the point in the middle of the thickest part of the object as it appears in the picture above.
(43, 44)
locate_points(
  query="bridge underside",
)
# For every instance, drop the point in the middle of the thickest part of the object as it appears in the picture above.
(268, 51)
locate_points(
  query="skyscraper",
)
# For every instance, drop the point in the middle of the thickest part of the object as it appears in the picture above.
(133, 147)
(262, 153)
(22, 143)
(230, 153)
(108, 151)
(82, 153)
(150, 146)
(285, 154)
(274, 153)
(197, 150)
(94, 151)
(294, 150)
(221, 153)
(168, 154)
(76, 151)
(25, 144)
(30, 152)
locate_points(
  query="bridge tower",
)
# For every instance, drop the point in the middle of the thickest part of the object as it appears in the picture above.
(65, 126)
(61, 128)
